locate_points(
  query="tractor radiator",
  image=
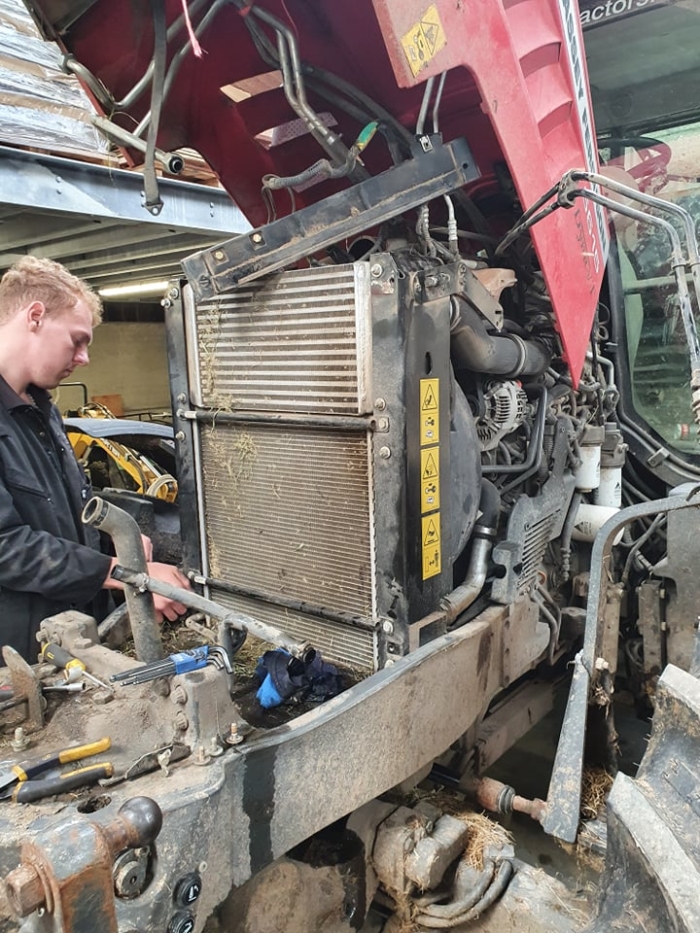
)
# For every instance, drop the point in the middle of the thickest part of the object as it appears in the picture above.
(306, 386)
(289, 505)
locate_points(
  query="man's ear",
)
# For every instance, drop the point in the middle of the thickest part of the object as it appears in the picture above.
(35, 313)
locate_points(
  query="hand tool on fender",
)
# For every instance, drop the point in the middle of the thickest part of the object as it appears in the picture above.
(73, 668)
(77, 687)
(28, 791)
(27, 770)
(179, 663)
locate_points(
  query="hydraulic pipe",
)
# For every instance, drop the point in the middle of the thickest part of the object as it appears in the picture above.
(140, 581)
(129, 547)
(171, 161)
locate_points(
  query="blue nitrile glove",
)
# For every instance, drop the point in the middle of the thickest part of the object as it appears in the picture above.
(267, 693)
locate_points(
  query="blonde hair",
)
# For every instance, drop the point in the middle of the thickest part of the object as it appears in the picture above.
(33, 279)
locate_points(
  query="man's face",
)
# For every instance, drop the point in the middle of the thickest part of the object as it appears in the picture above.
(58, 342)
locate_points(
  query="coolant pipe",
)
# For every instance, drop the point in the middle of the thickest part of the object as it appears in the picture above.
(483, 536)
(126, 535)
(473, 347)
(140, 581)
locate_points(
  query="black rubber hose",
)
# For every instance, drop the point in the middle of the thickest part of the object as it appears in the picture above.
(473, 347)
(489, 505)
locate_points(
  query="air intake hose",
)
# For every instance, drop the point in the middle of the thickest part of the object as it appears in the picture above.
(473, 347)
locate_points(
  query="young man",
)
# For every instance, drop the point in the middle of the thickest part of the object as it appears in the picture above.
(49, 560)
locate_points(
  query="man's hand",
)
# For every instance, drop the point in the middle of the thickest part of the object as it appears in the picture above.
(147, 547)
(166, 608)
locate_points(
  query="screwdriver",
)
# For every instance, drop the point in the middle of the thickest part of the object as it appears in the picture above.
(72, 667)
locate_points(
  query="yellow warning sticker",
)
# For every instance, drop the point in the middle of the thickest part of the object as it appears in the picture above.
(424, 40)
(429, 411)
(431, 530)
(429, 479)
(432, 551)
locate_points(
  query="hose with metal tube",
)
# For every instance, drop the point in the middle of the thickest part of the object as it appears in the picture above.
(129, 547)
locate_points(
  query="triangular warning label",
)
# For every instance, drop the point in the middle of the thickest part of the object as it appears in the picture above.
(431, 468)
(429, 400)
(431, 536)
(430, 31)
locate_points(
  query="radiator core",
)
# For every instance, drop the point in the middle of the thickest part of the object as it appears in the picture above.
(289, 508)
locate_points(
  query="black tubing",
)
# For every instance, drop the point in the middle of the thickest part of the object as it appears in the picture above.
(473, 347)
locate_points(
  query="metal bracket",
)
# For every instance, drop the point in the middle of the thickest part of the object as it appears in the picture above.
(26, 684)
(344, 214)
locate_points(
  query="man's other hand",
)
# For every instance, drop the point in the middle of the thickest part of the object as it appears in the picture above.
(166, 608)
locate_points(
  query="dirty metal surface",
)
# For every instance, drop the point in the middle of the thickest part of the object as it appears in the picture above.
(240, 811)
(564, 795)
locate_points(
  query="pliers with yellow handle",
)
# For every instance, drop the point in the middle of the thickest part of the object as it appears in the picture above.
(22, 785)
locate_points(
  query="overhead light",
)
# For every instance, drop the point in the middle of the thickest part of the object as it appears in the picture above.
(141, 288)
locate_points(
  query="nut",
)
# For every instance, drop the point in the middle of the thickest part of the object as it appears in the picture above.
(234, 737)
(182, 723)
(20, 740)
(25, 891)
(179, 695)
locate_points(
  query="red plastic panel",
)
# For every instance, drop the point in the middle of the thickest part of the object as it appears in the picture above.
(527, 61)
(513, 90)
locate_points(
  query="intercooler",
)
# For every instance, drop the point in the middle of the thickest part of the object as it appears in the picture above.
(306, 391)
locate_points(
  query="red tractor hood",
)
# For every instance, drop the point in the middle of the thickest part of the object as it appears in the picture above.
(516, 89)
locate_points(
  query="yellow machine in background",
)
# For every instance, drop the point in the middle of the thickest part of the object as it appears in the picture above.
(123, 454)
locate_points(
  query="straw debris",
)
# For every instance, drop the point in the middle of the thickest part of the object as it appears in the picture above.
(595, 788)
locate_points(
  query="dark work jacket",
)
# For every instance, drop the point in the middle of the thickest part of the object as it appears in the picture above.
(49, 560)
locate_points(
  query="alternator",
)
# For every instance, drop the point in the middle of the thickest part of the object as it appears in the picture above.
(505, 406)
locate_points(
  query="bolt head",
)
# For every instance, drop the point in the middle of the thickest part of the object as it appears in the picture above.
(379, 404)
(385, 452)
(25, 890)
(387, 627)
(376, 270)
(20, 740)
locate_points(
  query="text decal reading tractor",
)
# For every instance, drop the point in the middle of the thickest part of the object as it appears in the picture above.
(594, 231)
